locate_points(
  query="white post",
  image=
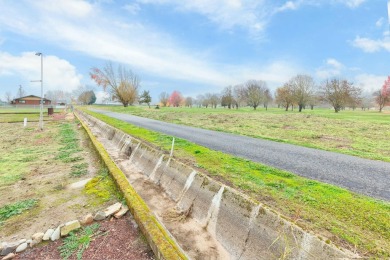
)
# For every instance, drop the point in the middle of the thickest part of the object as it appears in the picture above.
(25, 122)
(173, 143)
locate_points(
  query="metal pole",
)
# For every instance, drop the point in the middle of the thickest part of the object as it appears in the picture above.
(41, 105)
(41, 112)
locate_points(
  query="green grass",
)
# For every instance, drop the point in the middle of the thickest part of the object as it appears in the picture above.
(79, 169)
(102, 188)
(339, 214)
(77, 242)
(17, 208)
(359, 133)
(69, 140)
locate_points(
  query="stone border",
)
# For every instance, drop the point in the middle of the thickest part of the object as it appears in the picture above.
(9, 250)
(159, 239)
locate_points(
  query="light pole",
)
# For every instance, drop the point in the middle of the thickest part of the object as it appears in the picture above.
(41, 107)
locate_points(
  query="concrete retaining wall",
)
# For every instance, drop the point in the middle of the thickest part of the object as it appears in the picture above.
(246, 228)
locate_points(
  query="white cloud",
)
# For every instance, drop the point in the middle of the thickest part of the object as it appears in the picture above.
(369, 82)
(370, 45)
(132, 8)
(351, 3)
(332, 68)
(252, 15)
(380, 22)
(57, 73)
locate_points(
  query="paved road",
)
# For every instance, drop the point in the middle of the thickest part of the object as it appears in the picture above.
(363, 176)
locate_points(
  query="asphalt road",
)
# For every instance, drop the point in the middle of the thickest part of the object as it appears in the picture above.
(360, 175)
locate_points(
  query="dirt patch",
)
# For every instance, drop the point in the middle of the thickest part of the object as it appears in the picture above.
(112, 243)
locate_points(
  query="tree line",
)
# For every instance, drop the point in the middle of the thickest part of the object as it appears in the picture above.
(300, 91)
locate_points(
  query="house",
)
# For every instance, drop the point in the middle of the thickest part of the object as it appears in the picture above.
(30, 100)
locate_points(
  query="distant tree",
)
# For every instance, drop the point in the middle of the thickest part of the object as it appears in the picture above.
(164, 98)
(175, 99)
(8, 96)
(87, 98)
(214, 100)
(285, 96)
(189, 101)
(240, 95)
(199, 100)
(123, 85)
(302, 90)
(227, 98)
(255, 92)
(382, 96)
(366, 102)
(267, 98)
(339, 93)
(55, 95)
(21, 92)
(145, 98)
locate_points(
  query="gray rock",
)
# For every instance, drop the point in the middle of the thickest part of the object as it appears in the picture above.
(9, 248)
(113, 209)
(70, 226)
(100, 215)
(88, 219)
(37, 237)
(21, 247)
(9, 256)
(56, 234)
(48, 234)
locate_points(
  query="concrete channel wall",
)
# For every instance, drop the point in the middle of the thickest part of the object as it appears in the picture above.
(244, 227)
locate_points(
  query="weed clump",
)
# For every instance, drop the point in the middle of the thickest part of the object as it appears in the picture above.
(17, 208)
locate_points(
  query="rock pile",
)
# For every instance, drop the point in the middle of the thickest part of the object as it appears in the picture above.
(9, 249)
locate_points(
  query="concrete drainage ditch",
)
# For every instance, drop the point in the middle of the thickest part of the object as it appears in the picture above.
(208, 219)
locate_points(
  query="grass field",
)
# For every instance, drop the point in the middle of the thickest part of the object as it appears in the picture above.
(347, 219)
(15, 115)
(359, 133)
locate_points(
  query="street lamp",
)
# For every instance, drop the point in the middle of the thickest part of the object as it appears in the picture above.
(41, 107)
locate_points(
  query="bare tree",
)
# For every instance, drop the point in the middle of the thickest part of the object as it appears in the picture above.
(339, 93)
(164, 98)
(303, 90)
(214, 100)
(8, 96)
(267, 98)
(240, 95)
(189, 101)
(227, 98)
(123, 84)
(285, 96)
(381, 98)
(255, 92)
(199, 100)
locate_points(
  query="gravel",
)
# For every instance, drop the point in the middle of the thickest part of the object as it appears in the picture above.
(359, 175)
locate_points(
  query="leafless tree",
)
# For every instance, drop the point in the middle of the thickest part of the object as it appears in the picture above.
(227, 99)
(240, 95)
(164, 98)
(199, 100)
(303, 90)
(267, 98)
(339, 93)
(214, 100)
(123, 84)
(381, 98)
(255, 92)
(189, 101)
(8, 96)
(285, 96)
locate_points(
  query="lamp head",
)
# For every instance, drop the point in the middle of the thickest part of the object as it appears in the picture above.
(38, 53)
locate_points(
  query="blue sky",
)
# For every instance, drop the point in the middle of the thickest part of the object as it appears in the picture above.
(193, 46)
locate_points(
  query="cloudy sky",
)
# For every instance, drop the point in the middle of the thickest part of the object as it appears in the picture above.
(193, 46)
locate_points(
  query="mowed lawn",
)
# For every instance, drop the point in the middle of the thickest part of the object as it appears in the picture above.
(360, 133)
